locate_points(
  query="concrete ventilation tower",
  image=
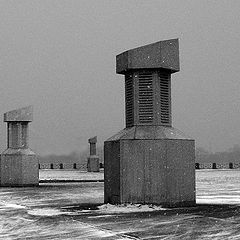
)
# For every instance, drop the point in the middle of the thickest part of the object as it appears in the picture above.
(18, 164)
(149, 161)
(93, 159)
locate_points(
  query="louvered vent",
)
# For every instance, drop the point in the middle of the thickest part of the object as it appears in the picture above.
(165, 98)
(129, 100)
(15, 138)
(24, 136)
(145, 97)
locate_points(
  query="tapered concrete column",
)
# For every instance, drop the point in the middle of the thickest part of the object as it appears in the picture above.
(18, 163)
(149, 161)
(93, 159)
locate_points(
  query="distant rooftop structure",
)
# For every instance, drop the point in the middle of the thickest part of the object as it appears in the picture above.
(24, 114)
(92, 140)
(19, 164)
(93, 159)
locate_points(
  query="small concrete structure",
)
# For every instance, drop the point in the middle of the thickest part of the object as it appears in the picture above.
(93, 159)
(18, 164)
(149, 161)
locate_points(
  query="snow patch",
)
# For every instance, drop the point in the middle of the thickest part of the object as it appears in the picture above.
(45, 212)
(10, 205)
(101, 216)
(126, 208)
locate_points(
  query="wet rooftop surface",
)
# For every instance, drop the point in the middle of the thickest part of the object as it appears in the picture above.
(76, 211)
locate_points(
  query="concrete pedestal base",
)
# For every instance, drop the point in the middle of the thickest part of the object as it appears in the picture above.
(19, 168)
(143, 165)
(93, 163)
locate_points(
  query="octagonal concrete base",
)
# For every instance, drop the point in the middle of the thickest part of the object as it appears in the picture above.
(150, 171)
(19, 168)
(93, 163)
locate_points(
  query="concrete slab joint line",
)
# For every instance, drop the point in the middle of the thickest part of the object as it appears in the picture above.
(93, 164)
(149, 161)
(18, 163)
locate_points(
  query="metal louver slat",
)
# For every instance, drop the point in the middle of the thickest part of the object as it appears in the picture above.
(129, 100)
(145, 86)
(165, 98)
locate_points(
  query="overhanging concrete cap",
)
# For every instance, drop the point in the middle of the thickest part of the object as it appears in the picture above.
(163, 54)
(19, 115)
(92, 140)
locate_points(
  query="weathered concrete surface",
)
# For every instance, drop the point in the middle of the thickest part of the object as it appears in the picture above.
(93, 160)
(150, 171)
(93, 142)
(149, 132)
(93, 164)
(162, 54)
(19, 168)
(149, 161)
(18, 164)
(19, 115)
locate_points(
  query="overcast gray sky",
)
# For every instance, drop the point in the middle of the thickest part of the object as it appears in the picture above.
(59, 56)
